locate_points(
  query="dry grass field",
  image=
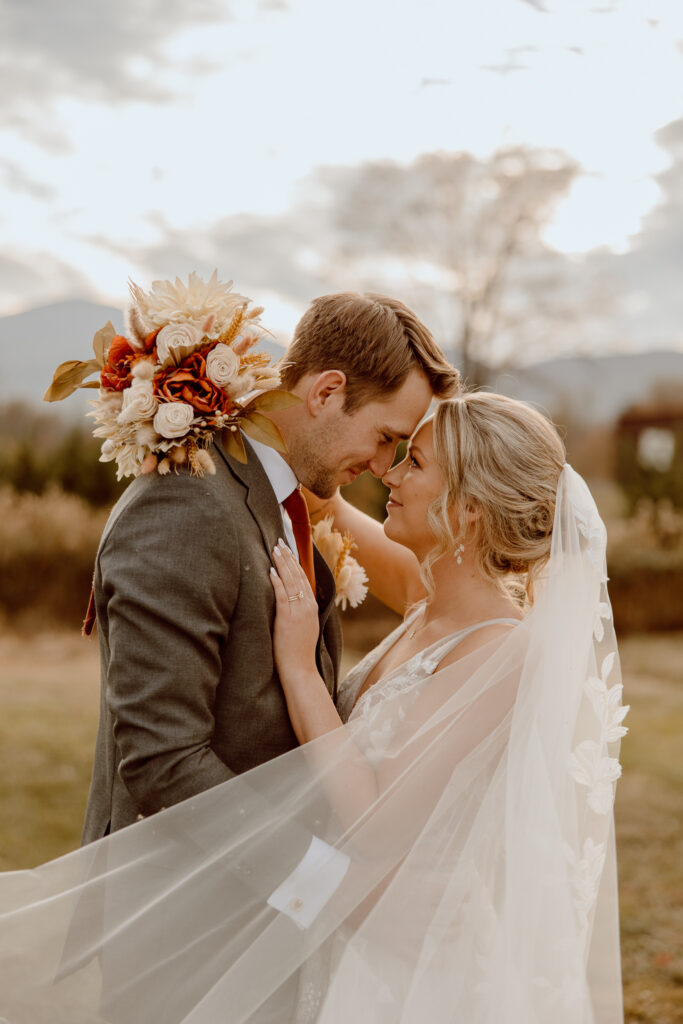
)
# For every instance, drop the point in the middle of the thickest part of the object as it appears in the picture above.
(649, 813)
(48, 711)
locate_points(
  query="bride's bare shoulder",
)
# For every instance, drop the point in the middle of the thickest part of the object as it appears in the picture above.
(475, 640)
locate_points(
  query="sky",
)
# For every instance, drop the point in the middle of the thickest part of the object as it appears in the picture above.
(144, 132)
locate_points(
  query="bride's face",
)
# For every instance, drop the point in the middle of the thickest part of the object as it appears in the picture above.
(414, 484)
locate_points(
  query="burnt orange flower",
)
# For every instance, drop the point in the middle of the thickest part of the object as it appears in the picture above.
(116, 373)
(189, 383)
(150, 340)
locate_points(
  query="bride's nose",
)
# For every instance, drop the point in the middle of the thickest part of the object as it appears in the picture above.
(394, 474)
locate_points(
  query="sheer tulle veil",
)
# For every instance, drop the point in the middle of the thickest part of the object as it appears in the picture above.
(480, 883)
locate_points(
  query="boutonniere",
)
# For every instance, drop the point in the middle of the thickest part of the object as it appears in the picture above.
(350, 578)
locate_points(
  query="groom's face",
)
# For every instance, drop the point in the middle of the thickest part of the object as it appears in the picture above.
(335, 447)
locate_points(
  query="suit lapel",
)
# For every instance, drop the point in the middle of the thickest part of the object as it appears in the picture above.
(261, 500)
(329, 641)
(265, 509)
(324, 585)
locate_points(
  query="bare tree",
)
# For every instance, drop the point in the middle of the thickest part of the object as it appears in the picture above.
(464, 232)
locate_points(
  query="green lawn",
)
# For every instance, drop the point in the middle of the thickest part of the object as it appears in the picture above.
(48, 712)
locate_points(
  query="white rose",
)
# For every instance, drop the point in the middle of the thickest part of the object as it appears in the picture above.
(175, 341)
(222, 365)
(173, 419)
(139, 403)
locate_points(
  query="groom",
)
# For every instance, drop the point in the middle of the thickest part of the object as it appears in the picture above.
(185, 608)
(190, 694)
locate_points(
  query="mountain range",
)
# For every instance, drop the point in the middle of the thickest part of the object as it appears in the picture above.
(34, 343)
(591, 390)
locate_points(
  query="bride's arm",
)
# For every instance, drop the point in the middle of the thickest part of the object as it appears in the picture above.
(393, 571)
(438, 730)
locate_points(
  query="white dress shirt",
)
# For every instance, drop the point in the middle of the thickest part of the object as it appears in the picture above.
(283, 481)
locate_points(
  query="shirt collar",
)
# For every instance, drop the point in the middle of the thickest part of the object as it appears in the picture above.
(280, 476)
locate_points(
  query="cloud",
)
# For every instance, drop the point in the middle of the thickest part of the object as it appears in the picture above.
(90, 48)
(17, 180)
(511, 63)
(39, 278)
(330, 240)
(649, 274)
(261, 253)
(631, 301)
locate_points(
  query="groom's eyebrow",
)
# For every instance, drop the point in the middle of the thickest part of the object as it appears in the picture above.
(400, 434)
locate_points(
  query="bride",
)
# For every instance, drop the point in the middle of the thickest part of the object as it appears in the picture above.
(455, 806)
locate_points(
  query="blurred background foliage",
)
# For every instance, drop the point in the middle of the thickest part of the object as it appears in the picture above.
(55, 495)
(40, 451)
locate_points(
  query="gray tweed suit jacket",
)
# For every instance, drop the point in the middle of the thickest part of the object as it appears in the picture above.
(189, 691)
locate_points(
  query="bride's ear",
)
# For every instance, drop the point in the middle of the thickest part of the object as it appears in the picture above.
(471, 515)
(327, 390)
(473, 512)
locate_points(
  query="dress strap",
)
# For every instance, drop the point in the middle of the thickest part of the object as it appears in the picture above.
(444, 647)
(489, 622)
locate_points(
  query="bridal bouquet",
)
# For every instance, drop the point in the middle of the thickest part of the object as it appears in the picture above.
(350, 578)
(183, 372)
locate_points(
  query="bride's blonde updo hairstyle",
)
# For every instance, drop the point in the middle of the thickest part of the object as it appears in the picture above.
(503, 459)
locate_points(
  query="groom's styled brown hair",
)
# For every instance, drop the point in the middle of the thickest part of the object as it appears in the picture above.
(373, 339)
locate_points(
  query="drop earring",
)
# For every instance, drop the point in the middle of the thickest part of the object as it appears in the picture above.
(458, 553)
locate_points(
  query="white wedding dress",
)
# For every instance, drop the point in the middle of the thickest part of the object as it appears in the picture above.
(364, 711)
(402, 678)
(471, 807)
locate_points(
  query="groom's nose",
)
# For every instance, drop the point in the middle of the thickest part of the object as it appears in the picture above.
(381, 463)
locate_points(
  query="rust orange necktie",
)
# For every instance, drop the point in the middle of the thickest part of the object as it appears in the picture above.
(297, 510)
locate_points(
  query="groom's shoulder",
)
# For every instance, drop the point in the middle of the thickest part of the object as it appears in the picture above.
(177, 496)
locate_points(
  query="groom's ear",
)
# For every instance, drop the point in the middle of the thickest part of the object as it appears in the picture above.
(327, 390)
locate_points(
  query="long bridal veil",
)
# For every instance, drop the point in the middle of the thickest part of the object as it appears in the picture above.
(447, 856)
